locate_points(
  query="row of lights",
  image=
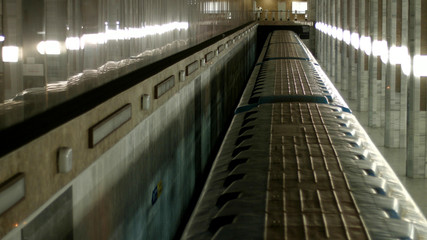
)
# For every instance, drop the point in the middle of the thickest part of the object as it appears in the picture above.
(53, 47)
(378, 48)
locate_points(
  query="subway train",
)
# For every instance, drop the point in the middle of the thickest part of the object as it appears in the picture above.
(296, 164)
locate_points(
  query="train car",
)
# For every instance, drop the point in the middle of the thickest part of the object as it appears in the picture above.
(296, 164)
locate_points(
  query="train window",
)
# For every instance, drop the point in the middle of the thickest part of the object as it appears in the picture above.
(369, 172)
(235, 162)
(244, 129)
(246, 121)
(253, 100)
(354, 144)
(224, 198)
(257, 88)
(232, 178)
(343, 124)
(239, 150)
(248, 114)
(218, 222)
(240, 139)
(392, 213)
(380, 191)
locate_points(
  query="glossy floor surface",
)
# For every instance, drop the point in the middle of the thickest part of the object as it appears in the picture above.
(396, 157)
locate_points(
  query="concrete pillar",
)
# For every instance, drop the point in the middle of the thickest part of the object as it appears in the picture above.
(417, 103)
(363, 58)
(321, 18)
(325, 13)
(344, 47)
(328, 43)
(319, 39)
(312, 18)
(325, 47)
(395, 97)
(338, 46)
(320, 36)
(332, 40)
(352, 60)
(376, 82)
(404, 74)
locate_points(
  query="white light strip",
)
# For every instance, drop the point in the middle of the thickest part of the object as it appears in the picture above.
(129, 33)
(398, 54)
(339, 34)
(347, 37)
(366, 45)
(378, 47)
(329, 30)
(384, 52)
(407, 65)
(420, 65)
(355, 40)
(49, 47)
(72, 43)
(334, 32)
(10, 53)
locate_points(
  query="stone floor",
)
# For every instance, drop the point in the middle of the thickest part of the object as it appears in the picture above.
(396, 157)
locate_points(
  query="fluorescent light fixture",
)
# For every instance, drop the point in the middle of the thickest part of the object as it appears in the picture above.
(420, 63)
(11, 192)
(384, 56)
(72, 43)
(52, 48)
(339, 34)
(105, 127)
(398, 54)
(329, 30)
(321, 26)
(49, 47)
(380, 48)
(366, 44)
(10, 53)
(299, 6)
(407, 65)
(131, 33)
(347, 36)
(334, 32)
(355, 40)
(377, 47)
(2, 38)
(41, 47)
